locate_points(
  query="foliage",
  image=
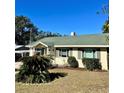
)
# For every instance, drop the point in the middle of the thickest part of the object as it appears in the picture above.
(91, 63)
(24, 29)
(34, 70)
(42, 34)
(50, 56)
(105, 27)
(17, 57)
(105, 11)
(72, 62)
(23, 26)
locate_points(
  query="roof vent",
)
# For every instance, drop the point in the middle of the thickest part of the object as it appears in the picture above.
(73, 34)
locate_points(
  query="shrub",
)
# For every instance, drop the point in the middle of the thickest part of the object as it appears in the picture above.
(34, 70)
(91, 63)
(72, 62)
(17, 57)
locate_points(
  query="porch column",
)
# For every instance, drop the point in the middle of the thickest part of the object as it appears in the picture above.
(22, 54)
(48, 52)
(45, 51)
(103, 58)
(32, 51)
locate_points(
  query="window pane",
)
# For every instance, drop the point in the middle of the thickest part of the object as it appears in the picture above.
(90, 53)
(63, 52)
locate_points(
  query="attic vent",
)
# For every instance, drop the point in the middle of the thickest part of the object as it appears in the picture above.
(73, 34)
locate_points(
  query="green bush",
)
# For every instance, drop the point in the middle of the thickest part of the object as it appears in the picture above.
(91, 63)
(34, 70)
(72, 62)
(17, 57)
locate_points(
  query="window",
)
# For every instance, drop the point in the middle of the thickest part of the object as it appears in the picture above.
(63, 52)
(90, 53)
(25, 53)
(40, 51)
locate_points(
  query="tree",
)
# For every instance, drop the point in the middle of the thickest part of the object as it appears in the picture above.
(34, 70)
(105, 27)
(105, 11)
(24, 29)
(23, 26)
(42, 34)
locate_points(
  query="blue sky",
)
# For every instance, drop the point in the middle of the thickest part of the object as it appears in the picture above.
(64, 16)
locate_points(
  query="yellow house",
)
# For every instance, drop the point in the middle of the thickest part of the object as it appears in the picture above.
(83, 46)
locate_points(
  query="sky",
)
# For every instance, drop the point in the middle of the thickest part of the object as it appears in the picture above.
(64, 16)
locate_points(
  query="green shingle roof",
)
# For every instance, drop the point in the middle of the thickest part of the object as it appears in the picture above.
(91, 39)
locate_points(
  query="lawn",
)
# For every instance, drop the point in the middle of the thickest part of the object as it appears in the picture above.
(76, 81)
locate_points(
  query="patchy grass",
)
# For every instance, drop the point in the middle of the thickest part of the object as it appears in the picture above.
(76, 81)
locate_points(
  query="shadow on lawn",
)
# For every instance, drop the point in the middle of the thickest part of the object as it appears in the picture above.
(57, 75)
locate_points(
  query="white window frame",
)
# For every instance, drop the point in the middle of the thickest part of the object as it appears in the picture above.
(63, 52)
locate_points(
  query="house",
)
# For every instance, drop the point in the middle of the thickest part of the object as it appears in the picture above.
(22, 50)
(83, 46)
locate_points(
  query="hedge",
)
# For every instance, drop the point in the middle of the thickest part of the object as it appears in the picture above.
(91, 63)
(72, 62)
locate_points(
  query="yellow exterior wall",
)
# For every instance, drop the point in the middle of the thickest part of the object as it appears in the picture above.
(103, 58)
(63, 60)
(75, 52)
(80, 63)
